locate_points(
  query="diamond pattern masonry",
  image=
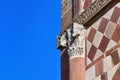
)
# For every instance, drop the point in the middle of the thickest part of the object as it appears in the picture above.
(104, 34)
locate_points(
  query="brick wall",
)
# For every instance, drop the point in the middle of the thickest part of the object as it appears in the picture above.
(66, 19)
(103, 47)
(66, 16)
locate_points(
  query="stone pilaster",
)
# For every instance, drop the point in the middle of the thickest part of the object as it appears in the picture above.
(74, 41)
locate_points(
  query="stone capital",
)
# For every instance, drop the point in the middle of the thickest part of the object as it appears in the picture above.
(73, 39)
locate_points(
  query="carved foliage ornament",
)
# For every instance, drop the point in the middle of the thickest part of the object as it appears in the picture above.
(74, 40)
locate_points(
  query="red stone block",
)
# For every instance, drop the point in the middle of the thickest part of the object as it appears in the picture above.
(91, 34)
(103, 25)
(117, 75)
(99, 68)
(92, 52)
(87, 3)
(115, 57)
(115, 15)
(116, 34)
(104, 43)
(104, 76)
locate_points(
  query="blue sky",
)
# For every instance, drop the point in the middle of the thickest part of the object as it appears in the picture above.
(28, 30)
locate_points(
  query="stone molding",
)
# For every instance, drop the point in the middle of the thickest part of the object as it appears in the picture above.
(92, 10)
(73, 40)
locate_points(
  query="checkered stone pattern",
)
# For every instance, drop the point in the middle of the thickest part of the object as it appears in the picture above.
(104, 34)
(111, 74)
(108, 68)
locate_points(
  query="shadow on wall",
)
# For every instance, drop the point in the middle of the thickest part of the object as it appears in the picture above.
(64, 65)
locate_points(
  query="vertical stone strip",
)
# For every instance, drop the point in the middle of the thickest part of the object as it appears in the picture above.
(74, 41)
(76, 7)
(76, 53)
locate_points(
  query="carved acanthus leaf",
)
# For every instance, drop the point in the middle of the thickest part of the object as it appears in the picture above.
(74, 40)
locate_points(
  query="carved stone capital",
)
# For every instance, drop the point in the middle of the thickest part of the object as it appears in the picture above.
(61, 41)
(74, 40)
(77, 47)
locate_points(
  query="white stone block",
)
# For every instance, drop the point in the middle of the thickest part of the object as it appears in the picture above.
(98, 78)
(111, 44)
(108, 63)
(89, 44)
(90, 73)
(88, 61)
(98, 54)
(97, 23)
(97, 39)
(111, 72)
(109, 14)
(109, 29)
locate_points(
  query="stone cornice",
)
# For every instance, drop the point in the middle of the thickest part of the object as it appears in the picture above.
(94, 9)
